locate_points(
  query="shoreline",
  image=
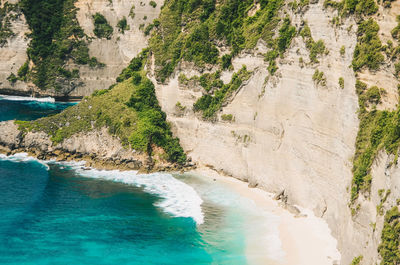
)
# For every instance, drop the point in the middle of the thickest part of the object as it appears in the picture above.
(304, 240)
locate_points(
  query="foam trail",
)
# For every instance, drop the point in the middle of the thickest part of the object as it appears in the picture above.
(20, 98)
(22, 157)
(178, 198)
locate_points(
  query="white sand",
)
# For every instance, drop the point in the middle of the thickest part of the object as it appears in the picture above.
(301, 240)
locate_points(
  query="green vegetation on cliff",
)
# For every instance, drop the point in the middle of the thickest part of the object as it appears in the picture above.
(101, 27)
(378, 130)
(56, 38)
(358, 7)
(212, 102)
(192, 30)
(129, 110)
(9, 12)
(390, 238)
(368, 51)
(316, 48)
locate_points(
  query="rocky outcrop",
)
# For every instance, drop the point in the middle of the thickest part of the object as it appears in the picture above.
(98, 148)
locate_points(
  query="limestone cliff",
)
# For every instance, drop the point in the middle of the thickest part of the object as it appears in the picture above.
(293, 130)
(115, 52)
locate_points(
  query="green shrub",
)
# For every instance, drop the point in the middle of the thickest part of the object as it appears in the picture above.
(356, 260)
(93, 62)
(377, 130)
(148, 29)
(316, 48)
(101, 27)
(122, 25)
(286, 34)
(210, 104)
(132, 12)
(396, 30)
(342, 50)
(99, 92)
(390, 238)
(8, 12)
(359, 7)
(341, 82)
(189, 30)
(226, 61)
(368, 49)
(227, 117)
(153, 4)
(23, 71)
(12, 78)
(319, 78)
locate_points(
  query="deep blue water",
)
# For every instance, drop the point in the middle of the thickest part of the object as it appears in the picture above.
(53, 214)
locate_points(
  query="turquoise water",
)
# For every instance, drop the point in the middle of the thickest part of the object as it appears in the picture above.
(28, 109)
(54, 213)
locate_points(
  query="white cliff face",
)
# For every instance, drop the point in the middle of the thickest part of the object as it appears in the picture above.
(291, 134)
(288, 133)
(13, 54)
(116, 53)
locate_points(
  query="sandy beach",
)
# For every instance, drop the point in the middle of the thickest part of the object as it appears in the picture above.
(303, 240)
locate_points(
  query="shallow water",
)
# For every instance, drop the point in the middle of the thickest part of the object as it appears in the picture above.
(58, 213)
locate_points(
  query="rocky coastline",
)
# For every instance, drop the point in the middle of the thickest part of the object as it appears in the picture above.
(97, 148)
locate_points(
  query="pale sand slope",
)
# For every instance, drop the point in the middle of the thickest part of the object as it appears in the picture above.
(304, 240)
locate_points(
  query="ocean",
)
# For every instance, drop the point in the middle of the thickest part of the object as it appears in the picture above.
(59, 213)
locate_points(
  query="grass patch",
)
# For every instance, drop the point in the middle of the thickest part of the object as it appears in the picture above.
(129, 110)
(368, 51)
(390, 240)
(209, 104)
(315, 48)
(191, 30)
(377, 130)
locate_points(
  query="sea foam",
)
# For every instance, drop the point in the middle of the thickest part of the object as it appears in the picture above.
(20, 98)
(23, 157)
(177, 198)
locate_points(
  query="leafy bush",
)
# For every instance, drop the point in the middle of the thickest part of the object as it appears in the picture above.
(377, 130)
(153, 4)
(122, 25)
(390, 241)
(12, 78)
(319, 78)
(359, 7)
(227, 117)
(132, 12)
(286, 34)
(210, 104)
(342, 50)
(315, 48)
(341, 82)
(23, 71)
(356, 260)
(189, 30)
(368, 49)
(101, 27)
(396, 30)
